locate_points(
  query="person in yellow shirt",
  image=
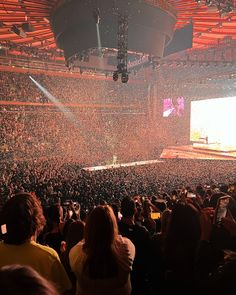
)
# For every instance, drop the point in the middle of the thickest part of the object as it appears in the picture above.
(22, 219)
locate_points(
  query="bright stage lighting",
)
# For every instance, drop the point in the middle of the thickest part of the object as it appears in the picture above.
(55, 101)
(215, 119)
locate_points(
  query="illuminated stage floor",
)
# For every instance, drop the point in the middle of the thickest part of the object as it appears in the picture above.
(201, 151)
(216, 147)
(111, 166)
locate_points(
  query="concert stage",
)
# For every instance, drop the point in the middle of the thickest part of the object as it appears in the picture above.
(112, 166)
(200, 151)
(216, 147)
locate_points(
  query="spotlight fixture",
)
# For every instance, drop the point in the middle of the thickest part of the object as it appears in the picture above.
(124, 77)
(122, 46)
(115, 76)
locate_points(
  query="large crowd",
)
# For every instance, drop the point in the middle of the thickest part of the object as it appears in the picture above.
(65, 179)
(140, 230)
(86, 136)
(166, 218)
(19, 87)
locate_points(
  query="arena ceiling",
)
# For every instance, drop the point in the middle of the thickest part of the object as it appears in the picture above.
(26, 22)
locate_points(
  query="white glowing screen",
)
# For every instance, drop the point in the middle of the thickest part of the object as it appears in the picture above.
(214, 119)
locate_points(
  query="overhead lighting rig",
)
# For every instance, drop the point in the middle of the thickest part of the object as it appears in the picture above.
(122, 46)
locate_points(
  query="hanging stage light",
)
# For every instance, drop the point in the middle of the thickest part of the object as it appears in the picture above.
(115, 76)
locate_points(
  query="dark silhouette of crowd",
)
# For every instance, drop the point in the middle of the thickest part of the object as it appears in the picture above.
(147, 243)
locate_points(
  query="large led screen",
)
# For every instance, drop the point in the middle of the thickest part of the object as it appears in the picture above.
(214, 120)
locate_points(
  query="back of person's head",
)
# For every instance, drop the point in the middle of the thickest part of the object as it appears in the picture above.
(23, 280)
(214, 199)
(74, 234)
(54, 213)
(83, 214)
(101, 227)
(128, 207)
(115, 209)
(184, 224)
(160, 204)
(224, 188)
(147, 210)
(100, 234)
(23, 216)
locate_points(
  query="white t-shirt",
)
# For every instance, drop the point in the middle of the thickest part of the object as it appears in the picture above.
(118, 285)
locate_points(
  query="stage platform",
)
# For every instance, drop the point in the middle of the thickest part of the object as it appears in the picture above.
(114, 166)
(216, 147)
(201, 151)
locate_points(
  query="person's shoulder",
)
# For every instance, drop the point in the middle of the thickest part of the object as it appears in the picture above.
(77, 255)
(126, 242)
(44, 250)
(76, 250)
(126, 252)
(123, 240)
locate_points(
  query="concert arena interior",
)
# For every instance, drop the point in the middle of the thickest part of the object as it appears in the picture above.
(118, 116)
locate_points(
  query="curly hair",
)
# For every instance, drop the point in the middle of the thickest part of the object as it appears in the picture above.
(23, 216)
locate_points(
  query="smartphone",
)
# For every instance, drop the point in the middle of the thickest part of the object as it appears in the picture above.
(155, 215)
(221, 208)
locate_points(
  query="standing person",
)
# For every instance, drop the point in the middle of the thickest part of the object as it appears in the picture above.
(140, 236)
(22, 215)
(102, 262)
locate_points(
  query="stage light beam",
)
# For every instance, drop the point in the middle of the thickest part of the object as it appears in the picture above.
(55, 101)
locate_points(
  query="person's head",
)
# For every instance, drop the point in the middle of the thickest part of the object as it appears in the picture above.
(128, 207)
(23, 216)
(184, 223)
(74, 234)
(214, 199)
(101, 228)
(54, 213)
(115, 209)
(23, 280)
(147, 210)
(100, 234)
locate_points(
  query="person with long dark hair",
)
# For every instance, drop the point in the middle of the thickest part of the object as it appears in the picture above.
(102, 262)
